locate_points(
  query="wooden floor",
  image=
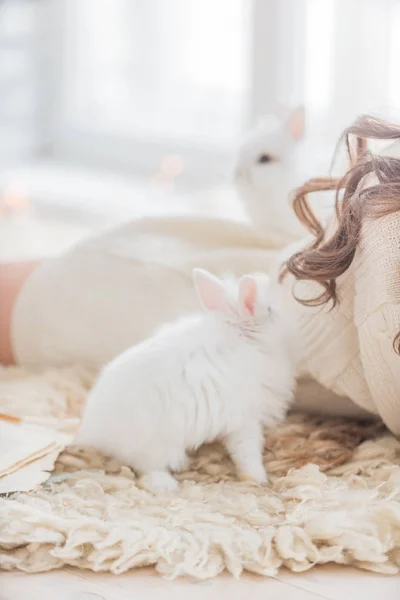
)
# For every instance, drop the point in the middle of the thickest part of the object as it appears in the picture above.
(328, 582)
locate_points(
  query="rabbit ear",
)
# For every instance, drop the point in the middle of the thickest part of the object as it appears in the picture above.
(247, 296)
(210, 290)
(295, 123)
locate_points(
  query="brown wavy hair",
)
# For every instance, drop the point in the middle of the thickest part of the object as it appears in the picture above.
(325, 259)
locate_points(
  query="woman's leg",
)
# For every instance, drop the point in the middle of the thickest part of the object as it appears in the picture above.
(12, 278)
(112, 290)
(310, 396)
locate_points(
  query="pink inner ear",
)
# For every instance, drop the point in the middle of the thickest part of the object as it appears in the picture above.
(247, 296)
(210, 290)
(296, 123)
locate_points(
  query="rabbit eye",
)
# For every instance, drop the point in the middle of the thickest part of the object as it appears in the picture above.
(264, 158)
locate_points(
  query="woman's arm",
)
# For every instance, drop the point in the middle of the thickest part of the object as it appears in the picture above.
(12, 278)
(377, 313)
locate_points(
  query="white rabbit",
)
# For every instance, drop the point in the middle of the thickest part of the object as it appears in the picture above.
(222, 373)
(267, 171)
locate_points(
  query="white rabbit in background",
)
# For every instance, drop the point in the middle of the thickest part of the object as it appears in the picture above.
(222, 373)
(269, 168)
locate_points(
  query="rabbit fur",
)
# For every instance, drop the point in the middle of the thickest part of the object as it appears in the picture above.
(223, 374)
(267, 171)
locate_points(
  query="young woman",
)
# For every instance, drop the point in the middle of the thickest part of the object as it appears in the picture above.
(342, 284)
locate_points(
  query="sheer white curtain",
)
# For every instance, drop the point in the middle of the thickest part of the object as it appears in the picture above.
(173, 68)
(144, 78)
(19, 135)
(352, 62)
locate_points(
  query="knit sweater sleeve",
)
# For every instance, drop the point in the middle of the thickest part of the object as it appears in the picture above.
(377, 313)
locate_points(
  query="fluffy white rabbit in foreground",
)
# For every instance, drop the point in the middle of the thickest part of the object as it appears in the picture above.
(222, 373)
(268, 169)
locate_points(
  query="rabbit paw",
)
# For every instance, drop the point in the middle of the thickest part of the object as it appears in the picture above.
(254, 475)
(158, 482)
(180, 464)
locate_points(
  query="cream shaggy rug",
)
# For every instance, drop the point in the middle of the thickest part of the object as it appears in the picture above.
(334, 496)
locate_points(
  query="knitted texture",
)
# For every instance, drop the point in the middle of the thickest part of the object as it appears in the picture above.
(334, 496)
(377, 313)
(349, 349)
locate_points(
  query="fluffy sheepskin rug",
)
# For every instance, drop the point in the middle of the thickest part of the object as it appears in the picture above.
(334, 495)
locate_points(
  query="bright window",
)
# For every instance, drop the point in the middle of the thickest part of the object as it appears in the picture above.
(163, 68)
(125, 83)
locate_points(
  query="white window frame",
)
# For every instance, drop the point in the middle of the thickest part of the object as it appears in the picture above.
(276, 79)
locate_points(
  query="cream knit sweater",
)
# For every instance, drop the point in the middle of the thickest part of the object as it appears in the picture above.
(349, 349)
(111, 291)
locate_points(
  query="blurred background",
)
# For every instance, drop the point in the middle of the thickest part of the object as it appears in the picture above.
(115, 108)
